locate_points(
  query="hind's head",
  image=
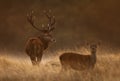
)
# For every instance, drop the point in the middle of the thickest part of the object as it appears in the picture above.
(93, 46)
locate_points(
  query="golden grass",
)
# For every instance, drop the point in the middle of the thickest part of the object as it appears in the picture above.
(18, 69)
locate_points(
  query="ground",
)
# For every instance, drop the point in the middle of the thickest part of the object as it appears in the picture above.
(20, 69)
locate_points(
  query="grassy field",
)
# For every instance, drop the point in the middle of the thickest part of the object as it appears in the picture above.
(21, 69)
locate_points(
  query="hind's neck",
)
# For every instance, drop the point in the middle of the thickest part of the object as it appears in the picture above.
(93, 56)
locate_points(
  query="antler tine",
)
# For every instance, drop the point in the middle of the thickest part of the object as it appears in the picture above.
(30, 18)
(51, 20)
(53, 27)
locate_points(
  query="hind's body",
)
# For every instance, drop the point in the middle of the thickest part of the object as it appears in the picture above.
(79, 61)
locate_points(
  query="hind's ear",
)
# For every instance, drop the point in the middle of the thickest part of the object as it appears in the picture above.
(87, 43)
(99, 43)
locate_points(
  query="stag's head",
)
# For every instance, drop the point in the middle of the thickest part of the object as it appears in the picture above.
(45, 30)
(49, 38)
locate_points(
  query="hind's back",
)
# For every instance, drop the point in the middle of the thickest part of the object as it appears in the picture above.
(74, 60)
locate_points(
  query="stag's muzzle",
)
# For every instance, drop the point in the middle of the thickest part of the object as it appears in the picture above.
(53, 40)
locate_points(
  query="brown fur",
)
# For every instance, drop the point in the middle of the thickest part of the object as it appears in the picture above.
(79, 61)
(35, 47)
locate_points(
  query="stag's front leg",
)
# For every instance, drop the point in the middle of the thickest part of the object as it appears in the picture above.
(39, 57)
(33, 60)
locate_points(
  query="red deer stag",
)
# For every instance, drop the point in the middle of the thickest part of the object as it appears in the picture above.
(79, 61)
(36, 45)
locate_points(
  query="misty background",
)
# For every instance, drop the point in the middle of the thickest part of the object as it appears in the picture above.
(77, 21)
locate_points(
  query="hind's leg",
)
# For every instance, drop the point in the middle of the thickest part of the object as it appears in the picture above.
(33, 60)
(64, 66)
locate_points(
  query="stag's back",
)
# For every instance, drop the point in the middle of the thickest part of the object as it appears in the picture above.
(34, 46)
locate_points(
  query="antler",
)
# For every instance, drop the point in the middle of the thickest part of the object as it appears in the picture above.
(51, 19)
(49, 27)
(31, 18)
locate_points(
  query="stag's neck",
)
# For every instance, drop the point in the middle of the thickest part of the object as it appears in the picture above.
(45, 42)
(93, 57)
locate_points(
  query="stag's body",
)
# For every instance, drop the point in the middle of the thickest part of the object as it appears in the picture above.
(79, 61)
(36, 45)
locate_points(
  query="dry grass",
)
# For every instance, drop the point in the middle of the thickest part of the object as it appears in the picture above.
(12, 69)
